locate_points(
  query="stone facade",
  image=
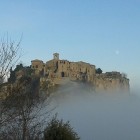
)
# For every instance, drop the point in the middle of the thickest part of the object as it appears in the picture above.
(38, 66)
(57, 71)
(56, 68)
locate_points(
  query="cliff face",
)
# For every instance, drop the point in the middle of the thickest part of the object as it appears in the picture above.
(111, 81)
(106, 82)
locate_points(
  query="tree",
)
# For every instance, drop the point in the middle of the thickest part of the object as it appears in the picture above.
(19, 68)
(98, 71)
(23, 114)
(58, 130)
(12, 77)
(9, 55)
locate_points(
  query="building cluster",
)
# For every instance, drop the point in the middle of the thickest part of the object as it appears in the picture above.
(60, 72)
(57, 71)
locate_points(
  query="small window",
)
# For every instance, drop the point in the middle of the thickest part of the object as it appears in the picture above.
(36, 66)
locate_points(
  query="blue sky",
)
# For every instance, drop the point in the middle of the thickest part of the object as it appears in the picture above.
(102, 32)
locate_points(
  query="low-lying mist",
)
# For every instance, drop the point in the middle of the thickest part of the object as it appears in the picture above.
(99, 116)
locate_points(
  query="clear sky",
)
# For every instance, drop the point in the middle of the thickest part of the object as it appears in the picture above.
(102, 32)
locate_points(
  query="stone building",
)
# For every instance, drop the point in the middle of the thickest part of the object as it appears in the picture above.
(57, 68)
(58, 71)
(38, 66)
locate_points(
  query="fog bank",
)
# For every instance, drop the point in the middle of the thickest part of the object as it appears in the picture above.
(99, 116)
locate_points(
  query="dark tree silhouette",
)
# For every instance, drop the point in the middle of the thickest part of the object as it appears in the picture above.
(98, 71)
(58, 130)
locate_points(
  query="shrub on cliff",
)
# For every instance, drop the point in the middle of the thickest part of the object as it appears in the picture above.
(98, 71)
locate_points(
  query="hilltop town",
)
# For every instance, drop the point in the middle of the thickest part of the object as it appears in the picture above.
(56, 72)
(59, 71)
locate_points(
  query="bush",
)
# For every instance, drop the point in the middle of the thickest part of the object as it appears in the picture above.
(98, 71)
(58, 130)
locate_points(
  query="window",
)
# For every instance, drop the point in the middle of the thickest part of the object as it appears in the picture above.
(36, 66)
(62, 74)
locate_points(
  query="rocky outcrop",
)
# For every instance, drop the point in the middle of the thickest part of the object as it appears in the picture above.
(111, 81)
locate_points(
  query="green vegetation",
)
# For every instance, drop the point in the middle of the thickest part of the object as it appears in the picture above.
(19, 68)
(12, 77)
(21, 116)
(98, 71)
(58, 130)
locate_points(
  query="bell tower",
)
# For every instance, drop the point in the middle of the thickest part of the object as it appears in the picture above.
(56, 56)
